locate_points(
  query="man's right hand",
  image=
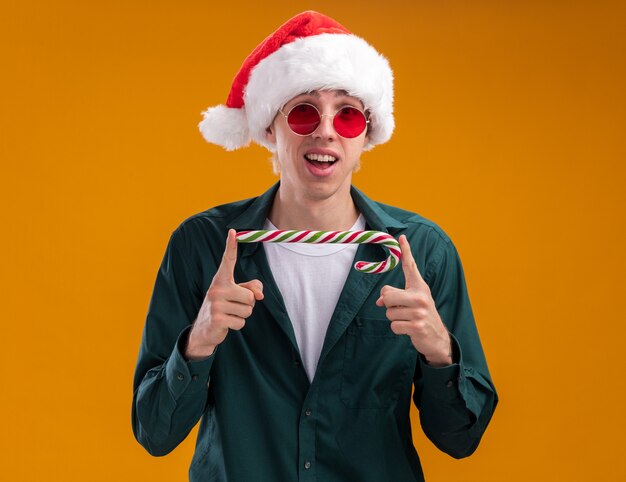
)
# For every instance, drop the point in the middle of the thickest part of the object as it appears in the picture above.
(226, 306)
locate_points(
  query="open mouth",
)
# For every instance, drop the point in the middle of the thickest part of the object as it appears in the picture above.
(321, 161)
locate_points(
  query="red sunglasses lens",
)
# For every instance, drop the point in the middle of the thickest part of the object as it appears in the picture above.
(303, 119)
(349, 122)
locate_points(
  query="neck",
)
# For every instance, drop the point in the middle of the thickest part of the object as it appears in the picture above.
(292, 211)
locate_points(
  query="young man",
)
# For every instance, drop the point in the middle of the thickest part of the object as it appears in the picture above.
(298, 366)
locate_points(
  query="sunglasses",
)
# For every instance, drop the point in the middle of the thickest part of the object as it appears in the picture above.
(303, 119)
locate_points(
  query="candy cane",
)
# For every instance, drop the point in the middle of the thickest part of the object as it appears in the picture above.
(339, 237)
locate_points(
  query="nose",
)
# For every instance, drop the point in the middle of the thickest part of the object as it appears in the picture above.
(325, 130)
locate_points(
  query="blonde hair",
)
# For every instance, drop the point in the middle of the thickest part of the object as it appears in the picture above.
(275, 165)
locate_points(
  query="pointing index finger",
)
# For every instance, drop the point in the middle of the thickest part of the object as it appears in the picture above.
(226, 270)
(412, 276)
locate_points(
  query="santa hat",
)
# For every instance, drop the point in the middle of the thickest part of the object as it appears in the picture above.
(309, 52)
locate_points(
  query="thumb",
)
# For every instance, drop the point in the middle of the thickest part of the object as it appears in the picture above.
(225, 272)
(256, 287)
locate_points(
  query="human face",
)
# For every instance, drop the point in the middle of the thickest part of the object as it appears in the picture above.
(296, 155)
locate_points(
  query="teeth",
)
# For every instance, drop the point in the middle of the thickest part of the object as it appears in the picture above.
(320, 157)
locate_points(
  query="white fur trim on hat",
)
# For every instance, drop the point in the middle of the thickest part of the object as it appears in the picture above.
(225, 126)
(321, 62)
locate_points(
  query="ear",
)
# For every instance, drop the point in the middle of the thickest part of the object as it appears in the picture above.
(270, 134)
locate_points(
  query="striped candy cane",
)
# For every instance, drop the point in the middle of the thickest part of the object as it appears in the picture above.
(341, 237)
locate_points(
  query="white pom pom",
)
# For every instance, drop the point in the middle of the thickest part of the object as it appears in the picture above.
(226, 127)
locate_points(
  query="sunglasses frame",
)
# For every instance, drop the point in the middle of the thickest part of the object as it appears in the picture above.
(286, 116)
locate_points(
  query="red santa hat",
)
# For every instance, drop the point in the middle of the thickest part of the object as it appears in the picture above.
(309, 52)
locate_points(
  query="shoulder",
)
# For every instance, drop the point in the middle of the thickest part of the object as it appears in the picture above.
(208, 228)
(217, 216)
(432, 248)
(416, 225)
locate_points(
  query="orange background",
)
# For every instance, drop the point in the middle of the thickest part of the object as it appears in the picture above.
(510, 134)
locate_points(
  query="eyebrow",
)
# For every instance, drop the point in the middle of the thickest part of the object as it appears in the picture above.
(338, 93)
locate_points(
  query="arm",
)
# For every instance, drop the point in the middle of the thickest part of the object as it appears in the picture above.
(170, 393)
(172, 374)
(455, 402)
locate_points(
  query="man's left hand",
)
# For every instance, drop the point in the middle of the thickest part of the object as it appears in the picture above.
(412, 312)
